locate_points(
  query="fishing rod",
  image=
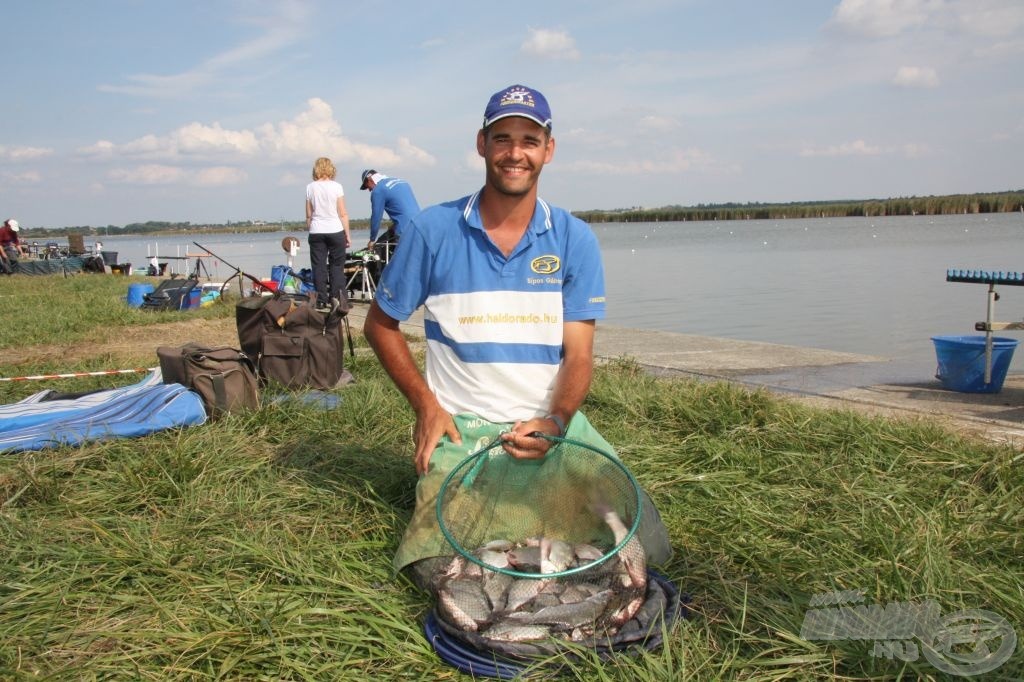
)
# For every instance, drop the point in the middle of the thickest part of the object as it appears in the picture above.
(238, 270)
(233, 267)
(70, 375)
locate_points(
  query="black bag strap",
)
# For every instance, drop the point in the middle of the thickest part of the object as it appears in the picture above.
(348, 331)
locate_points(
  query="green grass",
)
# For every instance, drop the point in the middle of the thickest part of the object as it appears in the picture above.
(259, 546)
(38, 310)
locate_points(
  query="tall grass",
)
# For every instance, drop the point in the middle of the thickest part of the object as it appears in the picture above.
(259, 546)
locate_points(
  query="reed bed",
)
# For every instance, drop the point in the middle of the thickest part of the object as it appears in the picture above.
(259, 546)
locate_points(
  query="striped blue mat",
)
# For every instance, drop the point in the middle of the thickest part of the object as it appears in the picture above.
(40, 422)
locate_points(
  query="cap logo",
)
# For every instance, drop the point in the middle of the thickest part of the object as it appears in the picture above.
(520, 96)
(518, 100)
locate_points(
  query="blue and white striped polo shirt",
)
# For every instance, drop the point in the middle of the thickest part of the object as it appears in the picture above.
(494, 324)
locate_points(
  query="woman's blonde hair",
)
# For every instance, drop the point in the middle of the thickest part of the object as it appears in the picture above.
(323, 168)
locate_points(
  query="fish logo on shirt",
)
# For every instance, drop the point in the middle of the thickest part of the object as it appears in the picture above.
(546, 265)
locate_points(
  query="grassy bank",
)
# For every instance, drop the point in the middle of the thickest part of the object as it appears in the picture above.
(259, 546)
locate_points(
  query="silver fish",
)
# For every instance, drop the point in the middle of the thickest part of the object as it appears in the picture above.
(505, 631)
(555, 555)
(569, 616)
(546, 599)
(581, 634)
(455, 568)
(496, 588)
(498, 545)
(586, 554)
(589, 588)
(574, 593)
(632, 554)
(453, 613)
(493, 558)
(522, 591)
(625, 613)
(526, 559)
(466, 598)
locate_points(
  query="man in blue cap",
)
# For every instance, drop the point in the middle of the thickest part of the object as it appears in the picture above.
(393, 196)
(511, 288)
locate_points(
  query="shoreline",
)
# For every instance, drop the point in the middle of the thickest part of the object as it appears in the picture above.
(823, 378)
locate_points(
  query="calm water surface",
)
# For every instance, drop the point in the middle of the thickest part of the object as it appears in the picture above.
(863, 285)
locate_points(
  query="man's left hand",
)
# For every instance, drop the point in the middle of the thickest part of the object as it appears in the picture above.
(521, 444)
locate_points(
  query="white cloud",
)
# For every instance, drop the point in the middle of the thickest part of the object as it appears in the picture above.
(149, 174)
(312, 133)
(913, 150)
(888, 18)
(23, 153)
(99, 149)
(910, 150)
(24, 178)
(413, 154)
(473, 161)
(674, 161)
(549, 44)
(916, 77)
(149, 146)
(855, 148)
(657, 124)
(290, 179)
(1001, 50)
(883, 18)
(200, 139)
(219, 176)
(990, 17)
(161, 174)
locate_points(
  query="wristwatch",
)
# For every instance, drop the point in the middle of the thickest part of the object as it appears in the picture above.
(559, 422)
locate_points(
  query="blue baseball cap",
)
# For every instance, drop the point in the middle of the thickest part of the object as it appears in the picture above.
(518, 100)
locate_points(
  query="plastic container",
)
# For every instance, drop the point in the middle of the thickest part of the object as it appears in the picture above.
(195, 298)
(137, 294)
(109, 257)
(961, 362)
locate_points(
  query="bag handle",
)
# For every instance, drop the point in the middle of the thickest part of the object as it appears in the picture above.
(220, 392)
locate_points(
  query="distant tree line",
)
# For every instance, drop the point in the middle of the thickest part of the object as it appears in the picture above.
(168, 227)
(161, 227)
(992, 202)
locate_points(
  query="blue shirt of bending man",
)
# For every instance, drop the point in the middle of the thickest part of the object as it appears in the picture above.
(391, 195)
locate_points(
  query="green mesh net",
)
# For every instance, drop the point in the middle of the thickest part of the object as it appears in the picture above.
(544, 548)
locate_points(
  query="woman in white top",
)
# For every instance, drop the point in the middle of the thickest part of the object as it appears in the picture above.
(329, 236)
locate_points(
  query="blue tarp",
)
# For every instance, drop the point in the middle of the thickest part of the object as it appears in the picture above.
(36, 423)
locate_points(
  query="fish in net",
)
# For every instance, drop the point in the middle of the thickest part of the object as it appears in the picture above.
(544, 549)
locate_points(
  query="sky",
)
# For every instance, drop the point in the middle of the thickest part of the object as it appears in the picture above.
(121, 111)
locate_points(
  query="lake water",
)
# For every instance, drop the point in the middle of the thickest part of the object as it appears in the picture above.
(864, 285)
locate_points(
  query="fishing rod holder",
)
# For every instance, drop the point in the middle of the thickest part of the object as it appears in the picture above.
(989, 325)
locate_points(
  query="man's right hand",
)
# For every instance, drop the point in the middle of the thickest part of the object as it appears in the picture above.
(392, 350)
(432, 424)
